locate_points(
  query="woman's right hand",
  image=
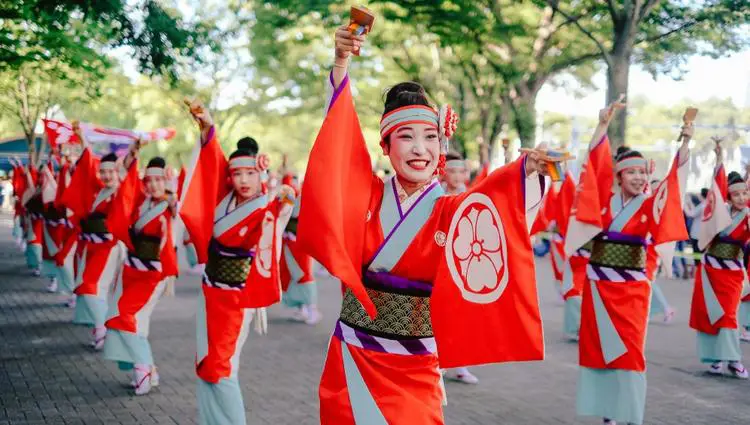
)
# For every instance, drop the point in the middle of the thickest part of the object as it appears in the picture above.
(347, 43)
(200, 114)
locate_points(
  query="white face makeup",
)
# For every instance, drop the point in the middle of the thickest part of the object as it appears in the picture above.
(246, 182)
(414, 151)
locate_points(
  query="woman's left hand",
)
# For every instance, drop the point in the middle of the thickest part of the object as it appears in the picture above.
(535, 163)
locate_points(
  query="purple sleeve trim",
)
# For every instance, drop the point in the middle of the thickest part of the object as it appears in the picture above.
(336, 90)
(210, 136)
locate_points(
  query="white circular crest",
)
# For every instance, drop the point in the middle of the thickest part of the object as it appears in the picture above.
(476, 250)
(708, 211)
(660, 202)
(440, 238)
(264, 255)
(51, 125)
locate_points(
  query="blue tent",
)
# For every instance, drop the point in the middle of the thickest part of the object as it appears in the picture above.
(15, 146)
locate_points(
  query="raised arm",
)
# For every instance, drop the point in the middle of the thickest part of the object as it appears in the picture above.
(346, 44)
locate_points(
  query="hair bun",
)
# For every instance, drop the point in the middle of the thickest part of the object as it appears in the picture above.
(249, 145)
(110, 157)
(621, 150)
(157, 162)
(735, 177)
(405, 94)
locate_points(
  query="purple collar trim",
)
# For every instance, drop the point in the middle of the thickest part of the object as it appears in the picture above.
(337, 90)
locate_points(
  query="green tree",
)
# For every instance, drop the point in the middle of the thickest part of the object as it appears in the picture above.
(658, 34)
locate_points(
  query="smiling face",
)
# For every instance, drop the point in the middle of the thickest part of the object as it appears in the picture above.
(156, 186)
(633, 180)
(738, 198)
(414, 151)
(246, 182)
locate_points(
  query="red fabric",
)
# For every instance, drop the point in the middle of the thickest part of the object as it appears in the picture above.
(224, 317)
(546, 213)
(181, 182)
(337, 192)
(84, 185)
(578, 268)
(137, 288)
(406, 389)
(591, 205)
(303, 260)
(205, 190)
(263, 286)
(483, 173)
(652, 261)
(123, 211)
(722, 181)
(628, 307)
(510, 327)
(727, 285)
(97, 255)
(667, 203)
(565, 197)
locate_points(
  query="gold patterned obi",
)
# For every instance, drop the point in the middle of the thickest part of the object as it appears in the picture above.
(724, 249)
(227, 267)
(94, 223)
(146, 247)
(403, 307)
(619, 251)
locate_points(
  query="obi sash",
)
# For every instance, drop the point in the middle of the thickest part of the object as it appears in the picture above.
(227, 268)
(617, 257)
(94, 228)
(403, 324)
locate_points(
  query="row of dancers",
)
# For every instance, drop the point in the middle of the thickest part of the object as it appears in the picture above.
(433, 277)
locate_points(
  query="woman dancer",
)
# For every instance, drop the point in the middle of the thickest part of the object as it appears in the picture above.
(238, 241)
(719, 280)
(615, 306)
(419, 267)
(141, 218)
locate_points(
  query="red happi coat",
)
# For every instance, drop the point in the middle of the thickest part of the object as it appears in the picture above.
(132, 211)
(483, 300)
(615, 305)
(719, 283)
(34, 208)
(59, 237)
(87, 197)
(253, 226)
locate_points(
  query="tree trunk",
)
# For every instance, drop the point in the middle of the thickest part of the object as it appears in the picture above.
(617, 83)
(524, 119)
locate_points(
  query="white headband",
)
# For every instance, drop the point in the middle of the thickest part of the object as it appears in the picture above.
(154, 172)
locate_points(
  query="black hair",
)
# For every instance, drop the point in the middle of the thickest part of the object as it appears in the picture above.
(157, 162)
(110, 157)
(451, 156)
(704, 193)
(735, 177)
(404, 94)
(246, 146)
(624, 152)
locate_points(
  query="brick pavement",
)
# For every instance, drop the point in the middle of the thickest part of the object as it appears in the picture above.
(48, 376)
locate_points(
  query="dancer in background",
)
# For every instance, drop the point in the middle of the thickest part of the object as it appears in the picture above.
(140, 216)
(615, 304)
(34, 221)
(89, 196)
(721, 275)
(236, 233)
(297, 278)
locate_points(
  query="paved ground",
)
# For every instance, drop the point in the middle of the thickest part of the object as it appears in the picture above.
(48, 376)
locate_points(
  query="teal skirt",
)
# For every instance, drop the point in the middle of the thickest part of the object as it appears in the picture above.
(127, 347)
(616, 394)
(572, 316)
(90, 311)
(744, 315)
(724, 346)
(298, 295)
(220, 404)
